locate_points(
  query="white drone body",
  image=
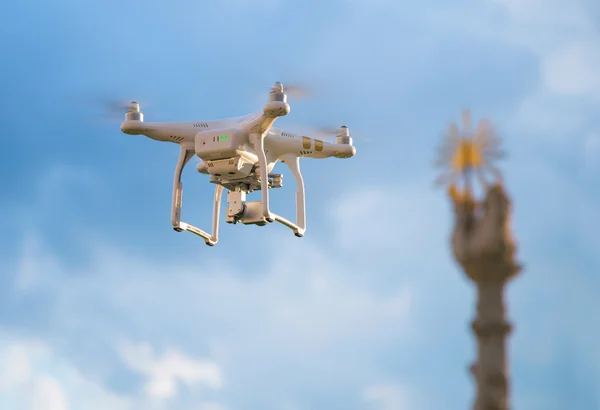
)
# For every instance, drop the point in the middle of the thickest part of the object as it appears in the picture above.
(239, 154)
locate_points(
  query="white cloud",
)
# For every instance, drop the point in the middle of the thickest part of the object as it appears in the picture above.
(35, 272)
(163, 373)
(387, 397)
(563, 37)
(546, 13)
(380, 219)
(310, 304)
(57, 182)
(16, 367)
(48, 394)
(308, 308)
(571, 68)
(211, 406)
(552, 116)
(296, 311)
(34, 377)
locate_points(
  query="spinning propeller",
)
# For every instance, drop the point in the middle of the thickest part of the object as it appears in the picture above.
(109, 110)
(295, 90)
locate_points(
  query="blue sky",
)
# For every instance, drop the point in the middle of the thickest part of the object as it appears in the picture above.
(103, 305)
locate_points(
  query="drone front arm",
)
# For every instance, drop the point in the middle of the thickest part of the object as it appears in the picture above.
(184, 157)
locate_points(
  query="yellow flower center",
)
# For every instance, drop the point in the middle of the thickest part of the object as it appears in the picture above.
(466, 156)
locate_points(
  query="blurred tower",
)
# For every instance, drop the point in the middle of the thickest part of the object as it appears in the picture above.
(483, 246)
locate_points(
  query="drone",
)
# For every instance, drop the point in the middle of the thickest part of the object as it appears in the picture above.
(239, 155)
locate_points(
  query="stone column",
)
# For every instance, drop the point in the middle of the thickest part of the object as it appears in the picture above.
(484, 248)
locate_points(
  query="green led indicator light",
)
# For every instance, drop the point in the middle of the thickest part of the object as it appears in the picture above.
(223, 138)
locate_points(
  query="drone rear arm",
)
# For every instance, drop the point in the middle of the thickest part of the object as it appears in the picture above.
(184, 157)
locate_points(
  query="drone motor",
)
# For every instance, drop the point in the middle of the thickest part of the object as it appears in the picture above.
(344, 136)
(134, 113)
